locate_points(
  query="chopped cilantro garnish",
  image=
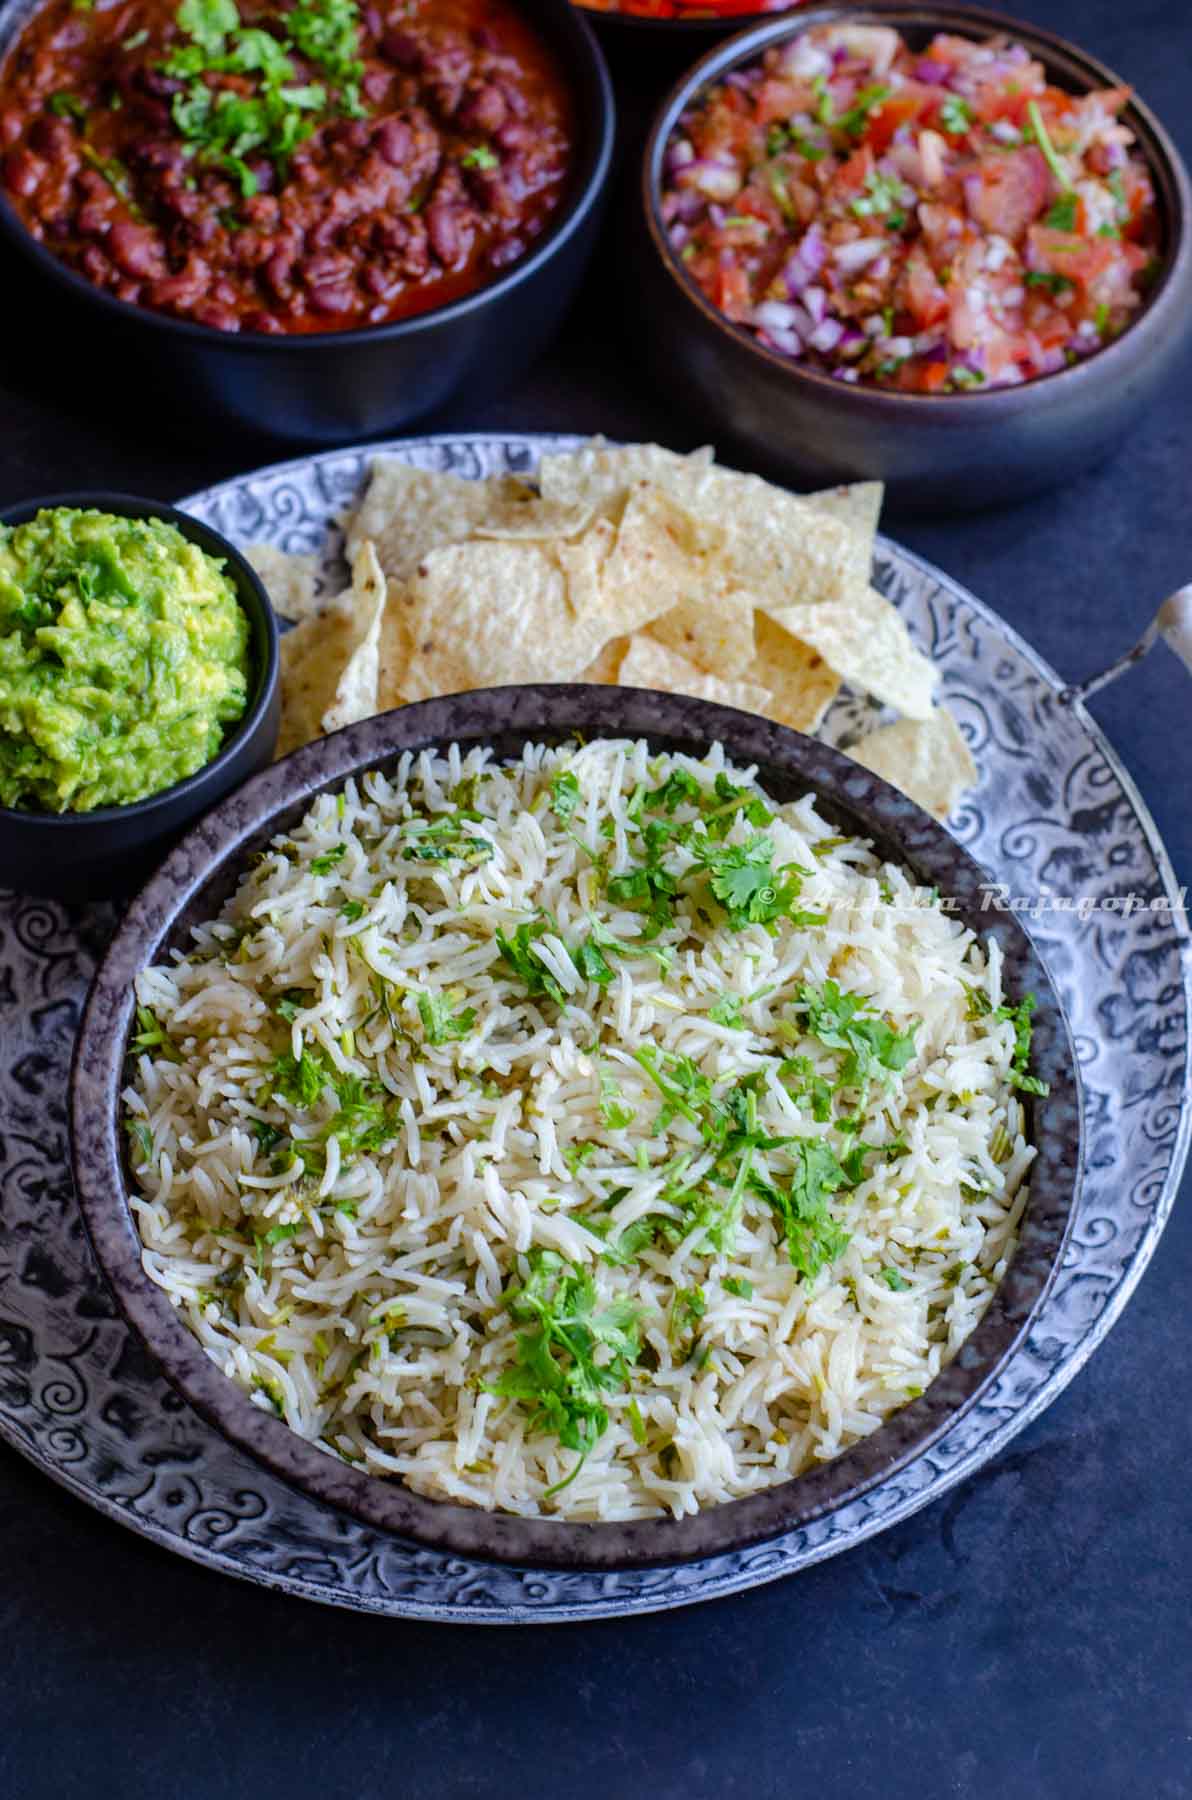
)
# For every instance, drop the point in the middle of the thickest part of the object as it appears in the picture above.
(293, 1001)
(727, 1011)
(571, 1354)
(955, 115)
(480, 157)
(154, 1037)
(855, 120)
(748, 887)
(896, 1282)
(66, 106)
(814, 1238)
(1046, 146)
(439, 1024)
(1045, 278)
(738, 1286)
(1062, 216)
(839, 1021)
(564, 795)
(300, 1080)
(352, 910)
(1020, 1076)
(323, 865)
(517, 952)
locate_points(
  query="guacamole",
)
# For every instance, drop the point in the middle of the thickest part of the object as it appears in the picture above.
(123, 659)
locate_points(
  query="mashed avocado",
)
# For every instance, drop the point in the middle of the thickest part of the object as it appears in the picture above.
(123, 659)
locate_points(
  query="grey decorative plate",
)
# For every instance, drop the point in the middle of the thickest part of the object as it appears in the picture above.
(1055, 815)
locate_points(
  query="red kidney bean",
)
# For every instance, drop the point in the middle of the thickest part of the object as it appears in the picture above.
(51, 137)
(400, 48)
(484, 110)
(395, 141)
(23, 173)
(180, 292)
(333, 300)
(136, 249)
(221, 317)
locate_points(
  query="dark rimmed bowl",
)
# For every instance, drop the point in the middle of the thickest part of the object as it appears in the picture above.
(108, 852)
(204, 871)
(933, 450)
(328, 387)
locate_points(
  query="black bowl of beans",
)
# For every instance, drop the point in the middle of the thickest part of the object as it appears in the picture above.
(318, 220)
(926, 245)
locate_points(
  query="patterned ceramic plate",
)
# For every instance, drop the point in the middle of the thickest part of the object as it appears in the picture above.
(1054, 814)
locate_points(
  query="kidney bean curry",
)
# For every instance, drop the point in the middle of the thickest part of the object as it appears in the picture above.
(266, 168)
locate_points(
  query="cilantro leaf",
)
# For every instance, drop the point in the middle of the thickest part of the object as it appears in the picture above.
(323, 865)
(564, 795)
(439, 1024)
(814, 1238)
(517, 952)
(727, 1011)
(1020, 1076)
(894, 1280)
(557, 1375)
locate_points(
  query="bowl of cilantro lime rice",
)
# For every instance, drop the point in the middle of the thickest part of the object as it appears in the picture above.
(575, 1126)
(138, 684)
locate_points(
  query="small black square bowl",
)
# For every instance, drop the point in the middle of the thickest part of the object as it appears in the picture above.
(108, 852)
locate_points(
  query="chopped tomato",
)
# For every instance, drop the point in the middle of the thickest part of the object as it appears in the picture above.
(1010, 191)
(732, 291)
(900, 109)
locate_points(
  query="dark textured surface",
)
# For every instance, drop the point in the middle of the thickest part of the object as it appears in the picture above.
(1027, 1637)
(192, 885)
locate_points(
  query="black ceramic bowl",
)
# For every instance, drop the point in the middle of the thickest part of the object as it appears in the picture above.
(204, 870)
(933, 450)
(108, 852)
(327, 387)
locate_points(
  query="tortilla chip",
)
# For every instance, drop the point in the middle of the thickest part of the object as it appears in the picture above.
(865, 641)
(715, 634)
(927, 758)
(409, 512)
(395, 651)
(535, 518)
(486, 613)
(606, 667)
(662, 556)
(316, 655)
(289, 580)
(800, 683)
(784, 550)
(601, 477)
(857, 504)
(648, 664)
(583, 563)
(356, 692)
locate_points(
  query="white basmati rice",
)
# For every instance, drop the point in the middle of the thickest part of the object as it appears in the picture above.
(369, 1295)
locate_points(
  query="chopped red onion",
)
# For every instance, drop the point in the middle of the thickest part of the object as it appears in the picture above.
(809, 258)
(851, 257)
(816, 302)
(934, 74)
(826, 336)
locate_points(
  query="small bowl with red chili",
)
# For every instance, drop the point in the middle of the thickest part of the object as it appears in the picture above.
(319, 218)
(924, 245)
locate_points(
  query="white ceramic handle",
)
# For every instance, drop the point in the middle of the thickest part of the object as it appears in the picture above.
(1172, 623)
(1175, 623)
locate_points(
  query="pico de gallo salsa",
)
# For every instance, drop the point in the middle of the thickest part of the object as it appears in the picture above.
(941, 221)
(284, 165)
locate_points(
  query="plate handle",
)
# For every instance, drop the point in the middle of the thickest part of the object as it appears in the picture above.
(1172, 623)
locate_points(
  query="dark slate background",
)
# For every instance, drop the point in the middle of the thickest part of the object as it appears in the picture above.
(1028, 1636)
